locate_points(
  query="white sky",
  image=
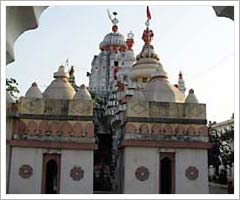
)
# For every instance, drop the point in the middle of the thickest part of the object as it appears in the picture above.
(187, 38)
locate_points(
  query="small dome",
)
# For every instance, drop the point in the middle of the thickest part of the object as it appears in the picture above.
(9, 99)
(113, 39)
(60, 88)
(34, 92)
(82, 93)
(191, 98)
(138, 96)
(159, 89)
(146, 64)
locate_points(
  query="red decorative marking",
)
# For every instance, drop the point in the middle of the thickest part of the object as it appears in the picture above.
(78, 129)
(89, 130)
(130, 43)
(131, 128)
(77, 173)
(156, 129)
(66, 129)
(192, 173)
(203, 130)
(191, 130)
(144, 129)
(54, 128)
(142, 173)
(168, 130)
(180, 130)
(21, 127)
(115, 28)
(147, 36)
(43, 127)
(32, 127)
(25, 171)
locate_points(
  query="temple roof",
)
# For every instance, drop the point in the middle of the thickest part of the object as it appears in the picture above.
(82, 93)
(160, 90)
(191, 98)
(34, 92)
(60, 88)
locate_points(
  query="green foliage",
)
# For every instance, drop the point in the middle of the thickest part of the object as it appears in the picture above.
(12, 87)
(222, 152)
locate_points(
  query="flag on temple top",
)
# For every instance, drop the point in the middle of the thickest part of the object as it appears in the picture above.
(148, 13)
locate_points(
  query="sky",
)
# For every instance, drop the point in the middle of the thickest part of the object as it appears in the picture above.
(190, 39)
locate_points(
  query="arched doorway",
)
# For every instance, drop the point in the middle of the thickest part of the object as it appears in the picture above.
(167, 173)
(51, 174)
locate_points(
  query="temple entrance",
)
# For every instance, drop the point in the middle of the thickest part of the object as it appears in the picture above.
(51, 174)
(167, 173)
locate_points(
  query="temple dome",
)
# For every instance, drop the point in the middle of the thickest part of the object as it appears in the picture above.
(34, 92)
(82, 93)
(191, 98)
(138, 96)
(113, 39)
(160, 90)
(60, 88)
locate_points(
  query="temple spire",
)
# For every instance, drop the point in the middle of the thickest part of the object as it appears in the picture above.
(113, 20)
(181, 84)
(147, 33)
(71, 78)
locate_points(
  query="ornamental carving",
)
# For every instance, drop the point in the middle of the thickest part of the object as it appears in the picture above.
(192, 173)
(54, 128)
(144, 129)
(89, 130)
(78, 129)
(168, 130)
(191, 130)
(131, 128)
(156, 129)
(76, 173)
(142, 173)
(66, 129)
(32, 127)
(180, 130)
(21, 127)
(25, 171)
(203, 130)
(43, 127)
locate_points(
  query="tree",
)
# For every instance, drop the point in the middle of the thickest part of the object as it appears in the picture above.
(12, 87)
(222, 151)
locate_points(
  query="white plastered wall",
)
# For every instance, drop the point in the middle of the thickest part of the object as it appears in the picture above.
(83, 159)
(29, 156)
(191, 157)
(135, 157)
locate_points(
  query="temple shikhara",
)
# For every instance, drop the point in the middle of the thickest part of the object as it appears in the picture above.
(129, 131)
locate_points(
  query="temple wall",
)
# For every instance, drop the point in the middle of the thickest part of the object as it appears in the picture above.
(135, 157)
(71, 159)
(26, 156)
(198, 159)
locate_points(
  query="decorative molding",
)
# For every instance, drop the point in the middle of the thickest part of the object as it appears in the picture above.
(25, 171)
(53, 144)
(131, 128)
(166, 144)
(76, 173)
(56, 117)
(192, 173)
(167, 120)
(142, 173)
